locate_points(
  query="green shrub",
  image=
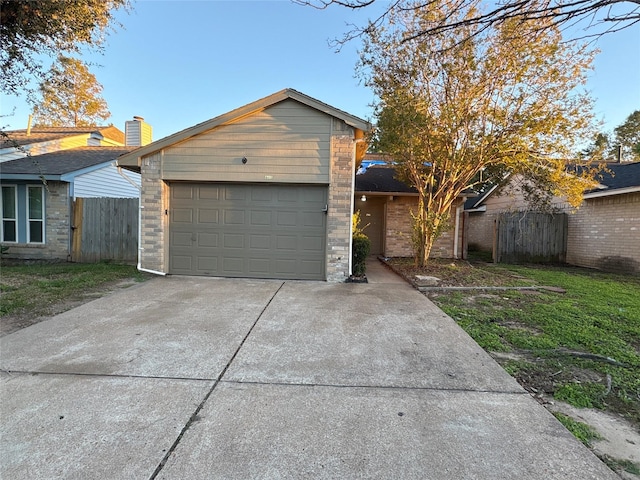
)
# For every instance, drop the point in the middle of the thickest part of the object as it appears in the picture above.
(361, 249)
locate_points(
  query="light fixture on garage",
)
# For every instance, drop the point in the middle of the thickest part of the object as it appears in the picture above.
(363, 198)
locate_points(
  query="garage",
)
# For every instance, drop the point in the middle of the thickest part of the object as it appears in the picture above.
(262, 191)
(254, 230)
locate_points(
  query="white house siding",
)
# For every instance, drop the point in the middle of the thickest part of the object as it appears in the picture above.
(286, 143)
(106, 182)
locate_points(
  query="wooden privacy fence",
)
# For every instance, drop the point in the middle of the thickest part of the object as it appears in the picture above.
(105, 229)
(529, 237)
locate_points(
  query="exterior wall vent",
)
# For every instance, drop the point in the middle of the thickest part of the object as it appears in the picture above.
(137, 132)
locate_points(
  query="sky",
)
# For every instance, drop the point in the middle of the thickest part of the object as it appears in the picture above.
(179, 63)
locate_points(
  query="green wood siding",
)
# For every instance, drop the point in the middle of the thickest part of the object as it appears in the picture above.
(285, 143)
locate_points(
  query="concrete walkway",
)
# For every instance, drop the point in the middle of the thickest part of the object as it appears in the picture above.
(205, 378)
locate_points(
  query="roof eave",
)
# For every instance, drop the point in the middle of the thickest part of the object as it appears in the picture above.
(615, 191)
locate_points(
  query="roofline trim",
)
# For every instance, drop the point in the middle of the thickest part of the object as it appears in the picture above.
(615, 191)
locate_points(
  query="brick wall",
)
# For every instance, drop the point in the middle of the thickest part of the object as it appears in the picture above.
(605, 233)
(57, 228)
(153, 201)
(399, 230)
(480, 226)
(340, 202)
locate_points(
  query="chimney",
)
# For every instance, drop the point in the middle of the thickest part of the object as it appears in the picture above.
(29, 125)
(137, 132)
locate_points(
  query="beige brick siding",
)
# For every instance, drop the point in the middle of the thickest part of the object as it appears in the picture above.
(399, 228)
(57, 228)
(605, 233)
(480, 228)
(340, 202)
(153, 202)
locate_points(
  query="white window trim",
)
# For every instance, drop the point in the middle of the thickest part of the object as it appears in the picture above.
(28, 214)
(15, 213)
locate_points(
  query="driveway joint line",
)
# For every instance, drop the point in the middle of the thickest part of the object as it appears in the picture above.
(107, 375)
(377, 387)
(194, 415)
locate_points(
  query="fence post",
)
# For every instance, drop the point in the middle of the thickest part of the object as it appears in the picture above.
(76, 228)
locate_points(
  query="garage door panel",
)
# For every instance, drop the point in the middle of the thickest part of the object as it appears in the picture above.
(233, 266)
(310, 243)
(260, 242)
(211, 193)
(240, 230)
(234, 217)
(185, 192)
(208, 216)
(208, 240)
(287, 219)
(182, 215)
(181, 239)
(233, 240)
(286, 242)
(182, 262)
(261, 217)
(207, 264)
(313, 219)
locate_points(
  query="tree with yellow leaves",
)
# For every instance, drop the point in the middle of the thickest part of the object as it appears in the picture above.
(501, 100)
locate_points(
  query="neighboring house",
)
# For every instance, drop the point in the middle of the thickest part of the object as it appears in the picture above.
(36, 141)
(385, 206)
(38, 192)
(604, 232)
(263, 191)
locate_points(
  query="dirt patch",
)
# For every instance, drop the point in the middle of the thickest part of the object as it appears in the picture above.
(17, 321)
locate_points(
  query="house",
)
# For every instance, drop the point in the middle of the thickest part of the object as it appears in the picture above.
(603, 233)
(385, 204)
(263, 191)
(42, 171)
(36, 141)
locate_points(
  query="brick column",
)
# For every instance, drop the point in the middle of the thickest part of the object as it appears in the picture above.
(340, 202)
(152, 201)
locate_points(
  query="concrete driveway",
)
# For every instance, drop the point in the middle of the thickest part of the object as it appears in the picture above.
(205, 378)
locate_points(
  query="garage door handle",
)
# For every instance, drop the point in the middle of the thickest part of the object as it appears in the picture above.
(325, 209)
(193, 237)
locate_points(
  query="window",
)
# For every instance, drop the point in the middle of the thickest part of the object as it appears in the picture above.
(35, 212)
(23, 213)
(9, 214)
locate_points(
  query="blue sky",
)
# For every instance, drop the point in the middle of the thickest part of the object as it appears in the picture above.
(178, 63)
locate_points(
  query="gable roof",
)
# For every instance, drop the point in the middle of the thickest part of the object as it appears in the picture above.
(47, 134)
(132, 160)
(55, 164)
(620, 178)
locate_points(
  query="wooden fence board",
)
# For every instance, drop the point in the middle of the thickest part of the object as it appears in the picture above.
(105, 229)
(530, 237)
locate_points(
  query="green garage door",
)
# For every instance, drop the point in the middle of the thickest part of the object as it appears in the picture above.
(259, 231)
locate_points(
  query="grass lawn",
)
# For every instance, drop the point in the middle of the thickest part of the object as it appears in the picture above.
(43, 289)
(578, 345)
(581, 346)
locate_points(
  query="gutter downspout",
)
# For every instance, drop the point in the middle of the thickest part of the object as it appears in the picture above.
(140, 207)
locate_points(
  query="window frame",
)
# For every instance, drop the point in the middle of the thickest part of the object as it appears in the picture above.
(15, 218)
(41, 220)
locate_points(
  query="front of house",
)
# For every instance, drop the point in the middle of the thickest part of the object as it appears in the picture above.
(386, 204)
(264, 191)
